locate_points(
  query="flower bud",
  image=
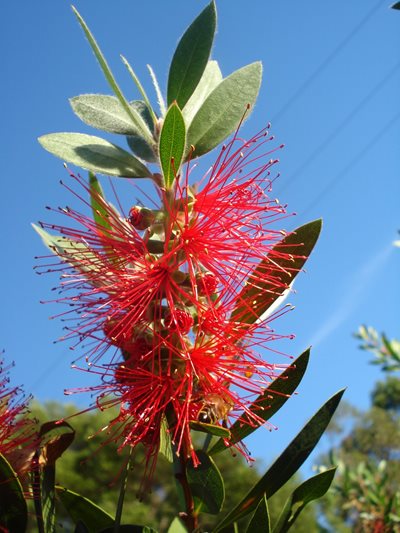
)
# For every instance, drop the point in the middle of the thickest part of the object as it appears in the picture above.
(140, 217)
(180, 321)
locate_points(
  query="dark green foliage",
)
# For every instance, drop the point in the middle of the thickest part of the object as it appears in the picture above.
(93, 470)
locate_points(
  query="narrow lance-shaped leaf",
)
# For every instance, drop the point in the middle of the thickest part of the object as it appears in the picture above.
(191, 56)
(309, 490)
(172, 144)
(13, 508)
(210, 429)
(206, 484)
(134, 116)
(287, 463)
(260, 520)
(140, 87)
(99, 213)
(224, 108)
(165, 441)
(160, 98)
(80, 508)
(94, 154)
(259, 289)
(268, 403)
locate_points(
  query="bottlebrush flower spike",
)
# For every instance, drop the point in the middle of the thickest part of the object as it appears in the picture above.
(18, 436)
(165, 293)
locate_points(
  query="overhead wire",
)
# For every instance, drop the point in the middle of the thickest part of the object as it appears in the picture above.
(342, 173)
(342, 44)
(339, 128)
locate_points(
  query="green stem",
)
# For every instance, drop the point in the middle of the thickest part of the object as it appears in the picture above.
(189, 516)
(207, 442)
(124, 481)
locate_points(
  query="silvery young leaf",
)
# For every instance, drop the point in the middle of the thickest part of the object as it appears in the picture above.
(223, 109)
(95, 154)
(141, 90)
(309, 490)
(172, 144)
(268, 403)
(80, 508)
(191, 56)
(211, 77)
(259, 289)
(206, 484)
(103, 112)
(133, 115)
(287, 463)
(75, 253)
(13, 509)
(260, 519)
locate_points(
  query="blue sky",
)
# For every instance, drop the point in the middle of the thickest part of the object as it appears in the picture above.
(330, 88)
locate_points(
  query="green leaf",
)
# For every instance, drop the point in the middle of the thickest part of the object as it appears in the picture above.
(224, 108)
(100, 214)
(191, 56)
(211, 77)
(260, 520)
(136, 119)
(269, 402)
(75, 253)
(13, 508)
(211, 429)
(259, 289)
(206, 484)
(287, 463)
(104, 112)
(172, 144)
(176, 526)
(95, 154)
(396, 6)
(81, 509)
(165, 441)
(309, 490)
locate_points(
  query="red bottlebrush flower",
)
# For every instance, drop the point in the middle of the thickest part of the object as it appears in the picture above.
(18, 436)
(179, 320)
(166, 298)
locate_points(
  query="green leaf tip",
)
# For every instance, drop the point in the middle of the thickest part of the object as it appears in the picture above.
(191, 56)
(269, 402)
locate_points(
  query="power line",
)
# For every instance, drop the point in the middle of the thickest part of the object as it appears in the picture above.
(338, 129)
(326, 62)
(341, 174)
